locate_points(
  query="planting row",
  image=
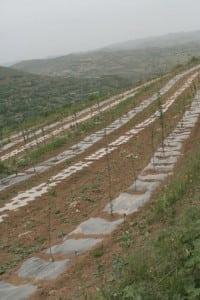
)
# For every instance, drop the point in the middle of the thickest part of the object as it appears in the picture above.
(23, 198)
(66, 123)
(87, 142)
(78, 118)
(92, 231)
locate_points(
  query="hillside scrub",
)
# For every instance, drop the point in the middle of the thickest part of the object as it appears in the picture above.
(27, 99)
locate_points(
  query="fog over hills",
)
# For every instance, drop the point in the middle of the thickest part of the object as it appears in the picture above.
(129, 59)
(169, 40)
(46, 85)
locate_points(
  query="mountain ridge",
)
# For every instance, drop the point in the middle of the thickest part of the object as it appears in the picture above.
(123, 59)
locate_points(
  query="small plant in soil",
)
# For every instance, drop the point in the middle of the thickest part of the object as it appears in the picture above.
(49, 214)
(98, 252)
(61, 234)
(109, 173)
(161, 121)
(152, 145)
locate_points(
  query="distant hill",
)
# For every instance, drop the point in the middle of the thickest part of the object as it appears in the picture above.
(169, 40)
(56, 83)
(133, 59)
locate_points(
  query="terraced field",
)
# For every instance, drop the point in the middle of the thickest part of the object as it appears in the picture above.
(56, 212)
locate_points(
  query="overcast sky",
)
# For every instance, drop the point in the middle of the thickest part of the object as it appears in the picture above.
(41, 28)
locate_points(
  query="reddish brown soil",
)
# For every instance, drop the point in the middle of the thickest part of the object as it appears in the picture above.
(76, 199)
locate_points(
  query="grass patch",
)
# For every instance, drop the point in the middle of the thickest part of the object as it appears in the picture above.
(98, 252)
(165, 264)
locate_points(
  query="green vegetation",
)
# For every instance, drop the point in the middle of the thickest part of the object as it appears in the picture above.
(19, 253)
(78, 80)
(98, 252)
(77, 132)
(5, 170)
(162, 263)
(26, 98)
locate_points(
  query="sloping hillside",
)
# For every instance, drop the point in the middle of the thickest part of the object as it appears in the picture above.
(132, 60)
(167, 41)
(27, 98)
(65, 219)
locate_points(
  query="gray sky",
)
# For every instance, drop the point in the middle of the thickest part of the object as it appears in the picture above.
(41, 28)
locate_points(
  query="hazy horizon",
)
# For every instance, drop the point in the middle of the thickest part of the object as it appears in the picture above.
(34, 29)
